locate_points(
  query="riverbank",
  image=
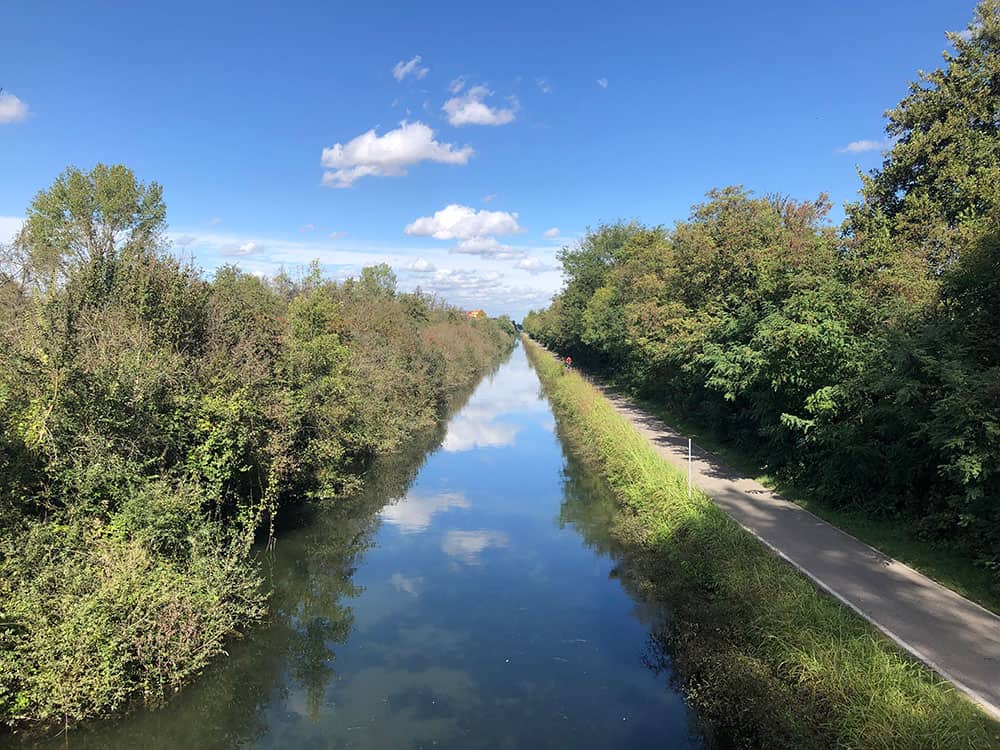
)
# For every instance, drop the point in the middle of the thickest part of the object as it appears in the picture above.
(765, 659)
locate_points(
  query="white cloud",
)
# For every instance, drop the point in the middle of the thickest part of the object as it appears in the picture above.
(534, 265)
(860, 147)
(215, 221)
(467, 546)
(967, 35)
(489, 198)
(307, 227)
(246, 248)
(551, 233)
(602, 82)
(185, 240)
(337, 235)
(411, 67)
(467, 280)
(543, 85)
(421, 265)
(457, 85)
(9, 227)
(470, 109)
(413, 513)
(489, 246)
(461, 222)
(12, 109)
(474, 230)
(472, 288)
(388, 155)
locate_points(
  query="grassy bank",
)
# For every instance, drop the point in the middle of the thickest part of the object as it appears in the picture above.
(765, 659)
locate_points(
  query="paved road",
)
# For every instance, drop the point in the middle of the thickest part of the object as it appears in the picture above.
(957, 638)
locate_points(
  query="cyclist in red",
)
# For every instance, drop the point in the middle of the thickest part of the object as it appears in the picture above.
(567, 363)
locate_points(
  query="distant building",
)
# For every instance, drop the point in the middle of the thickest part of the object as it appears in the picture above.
(475, 313)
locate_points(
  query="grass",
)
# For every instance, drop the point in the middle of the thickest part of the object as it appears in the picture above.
(766, 659)
(944, 564)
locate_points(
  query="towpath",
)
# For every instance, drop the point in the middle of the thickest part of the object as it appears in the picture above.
(955, 637)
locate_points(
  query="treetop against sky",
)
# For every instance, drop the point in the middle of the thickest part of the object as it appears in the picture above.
(463, 145)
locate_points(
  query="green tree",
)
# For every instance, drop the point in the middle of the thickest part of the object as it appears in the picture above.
(939, 186)
(94, 217)
(378, 280)
(586, 266)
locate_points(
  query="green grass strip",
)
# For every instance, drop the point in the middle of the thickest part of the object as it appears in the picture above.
(764, 657)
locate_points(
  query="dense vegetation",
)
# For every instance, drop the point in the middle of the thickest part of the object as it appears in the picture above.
(861, 362)
(766, 659)
(154, 423)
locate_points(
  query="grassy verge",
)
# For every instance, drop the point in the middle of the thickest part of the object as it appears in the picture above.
(765, 658)
(945, 564)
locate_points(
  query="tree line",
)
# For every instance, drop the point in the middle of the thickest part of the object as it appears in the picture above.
(154, 423)
(861, 361)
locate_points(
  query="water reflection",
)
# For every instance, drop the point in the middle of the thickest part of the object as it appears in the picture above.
(479, 609)
(407, 585)
(468, 546)
(468, 433)
(491, 418)
(413, 512)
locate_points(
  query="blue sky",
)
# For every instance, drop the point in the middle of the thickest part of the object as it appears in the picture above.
(523, 118)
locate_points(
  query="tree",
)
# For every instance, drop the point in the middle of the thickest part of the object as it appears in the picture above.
(92, 217)
(99, 235)
(378, 280)
(939, 186)
(586, 266)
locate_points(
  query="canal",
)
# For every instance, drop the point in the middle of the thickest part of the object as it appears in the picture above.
(468, 598)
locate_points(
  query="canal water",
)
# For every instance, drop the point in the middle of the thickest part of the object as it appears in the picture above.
(469, 598)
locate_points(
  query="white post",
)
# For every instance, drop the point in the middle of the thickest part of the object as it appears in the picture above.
(689, 467)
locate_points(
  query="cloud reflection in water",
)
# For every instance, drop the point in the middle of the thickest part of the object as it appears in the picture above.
(413, 512)
(477, 425)
(467, 546)
(407, 585)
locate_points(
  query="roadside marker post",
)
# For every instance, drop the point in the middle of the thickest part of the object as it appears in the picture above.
(689, 467)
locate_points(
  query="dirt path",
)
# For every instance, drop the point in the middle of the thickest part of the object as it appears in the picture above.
(957, 638)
